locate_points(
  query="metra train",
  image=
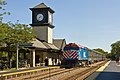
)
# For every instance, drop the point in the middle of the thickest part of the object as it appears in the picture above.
(77, 55)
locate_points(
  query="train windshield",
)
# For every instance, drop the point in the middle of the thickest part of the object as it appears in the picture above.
(71, 48)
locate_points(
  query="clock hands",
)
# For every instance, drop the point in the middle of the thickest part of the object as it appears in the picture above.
(40, 17)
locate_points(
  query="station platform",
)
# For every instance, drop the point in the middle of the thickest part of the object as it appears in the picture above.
(110, 71)
(5, 73)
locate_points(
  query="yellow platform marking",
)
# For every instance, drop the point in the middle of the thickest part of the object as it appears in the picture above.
(103, 67)
(97, 72)
(28, 71)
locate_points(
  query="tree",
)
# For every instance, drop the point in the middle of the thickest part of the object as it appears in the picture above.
(2, 13)
(101, 50)
(115, 48)
(2, 10)
(11, 34)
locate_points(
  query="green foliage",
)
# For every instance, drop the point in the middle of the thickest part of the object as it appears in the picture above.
(3, 54)
(101, 51)
(2, 10)
(15, 33)
(11, 34)
(111, 56)
(0, 1)
(115, 48)
(23, 33)
(3, 2)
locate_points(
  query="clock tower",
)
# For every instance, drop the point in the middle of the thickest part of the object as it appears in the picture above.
(42, 22)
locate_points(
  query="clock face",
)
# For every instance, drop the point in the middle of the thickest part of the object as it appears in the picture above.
(40, 17)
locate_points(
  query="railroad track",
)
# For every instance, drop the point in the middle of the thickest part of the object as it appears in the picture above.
(76, 74)
(49, 74)
(42, 75)
(35, 74)
(80, 75)
(60, 74)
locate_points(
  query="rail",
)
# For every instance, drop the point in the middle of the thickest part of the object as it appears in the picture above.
(54, 74)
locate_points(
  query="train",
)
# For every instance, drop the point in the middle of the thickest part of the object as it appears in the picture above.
(77, 55)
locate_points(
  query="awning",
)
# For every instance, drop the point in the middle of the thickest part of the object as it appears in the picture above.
(50, 46)
(38, 44)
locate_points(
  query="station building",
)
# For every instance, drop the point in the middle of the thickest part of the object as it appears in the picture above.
(44, 46)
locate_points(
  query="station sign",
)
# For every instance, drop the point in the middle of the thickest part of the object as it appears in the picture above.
(25, 44)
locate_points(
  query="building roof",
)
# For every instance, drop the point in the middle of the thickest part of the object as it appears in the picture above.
(38, 44)
(59, 43)
(50, 46)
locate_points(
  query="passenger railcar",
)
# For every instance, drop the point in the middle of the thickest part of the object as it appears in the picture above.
(75, 54)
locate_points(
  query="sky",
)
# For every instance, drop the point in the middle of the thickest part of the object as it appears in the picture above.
(91, 23)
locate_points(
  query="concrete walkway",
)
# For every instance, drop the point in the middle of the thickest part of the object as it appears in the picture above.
(110, 71)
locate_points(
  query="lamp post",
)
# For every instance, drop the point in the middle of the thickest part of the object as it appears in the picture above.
(17, 57)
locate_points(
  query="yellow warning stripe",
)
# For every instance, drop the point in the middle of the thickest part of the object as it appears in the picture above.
(15, 73)
(103, 67)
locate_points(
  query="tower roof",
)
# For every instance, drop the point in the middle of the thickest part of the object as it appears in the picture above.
(41, 5)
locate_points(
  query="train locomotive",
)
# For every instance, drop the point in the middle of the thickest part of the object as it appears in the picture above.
(77, 55)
